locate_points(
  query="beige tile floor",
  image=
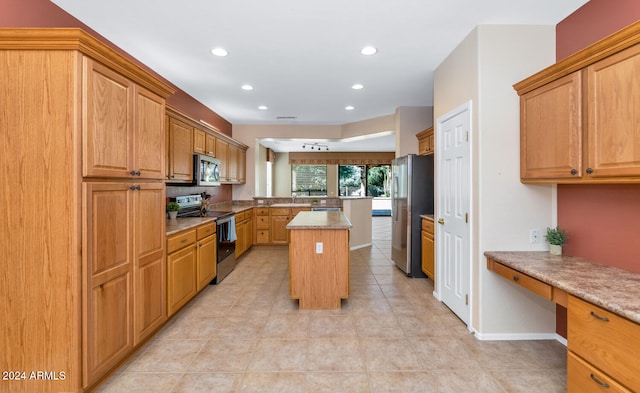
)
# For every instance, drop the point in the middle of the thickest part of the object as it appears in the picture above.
(391, 335)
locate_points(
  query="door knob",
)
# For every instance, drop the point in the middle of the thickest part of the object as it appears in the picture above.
(441, 221)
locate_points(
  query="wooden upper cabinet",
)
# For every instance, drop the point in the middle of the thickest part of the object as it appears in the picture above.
(149, 135)
(425, 141)
(107, 122)
(222, 153)
(234, 154)
(180, 138)
(122, 124)
(614, 116)
(210, 145)
(242, 166)
(579, 117)
(199, 138)
(551, 130)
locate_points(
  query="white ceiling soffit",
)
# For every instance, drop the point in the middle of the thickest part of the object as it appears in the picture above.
(379, 142)
(302, 57)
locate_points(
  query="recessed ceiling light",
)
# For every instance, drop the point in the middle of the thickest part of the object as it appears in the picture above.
(349, 108)
(369, 50)
(246, 87)
(357, 86)
(263, 107)
(219, 52)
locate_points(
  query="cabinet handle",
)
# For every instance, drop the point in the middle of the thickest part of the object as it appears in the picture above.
(172, 176)
(137, 173)
(574, 171)
(516, 278)
(183, 241)
(603, 319)
(132, 188)
(589, 171)
(598, 381)
(132, 173)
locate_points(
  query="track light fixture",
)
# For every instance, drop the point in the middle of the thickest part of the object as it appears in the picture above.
(314, 146)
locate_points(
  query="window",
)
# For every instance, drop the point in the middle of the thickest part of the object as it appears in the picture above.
(310, 180)
(364, 180)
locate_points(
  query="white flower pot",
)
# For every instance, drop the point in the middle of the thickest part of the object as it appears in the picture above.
(173, 215)
(555, 249)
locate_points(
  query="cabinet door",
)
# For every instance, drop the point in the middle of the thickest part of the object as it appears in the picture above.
(551, 130)
(149, 136)
(150, 308)
(222, 148)
(279, 232)
(614, 119)
(210, 145)
(180, 151)
(199, 141)
(107, 277)
(241, 241)
(206, 261)
(107, 122)
(428, 254)
(233, 163)
(242, 166)
(181, 278)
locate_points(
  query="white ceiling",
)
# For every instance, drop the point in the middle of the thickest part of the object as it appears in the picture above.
(302, 56)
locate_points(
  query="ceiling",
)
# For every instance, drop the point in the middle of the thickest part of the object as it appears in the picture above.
(302, 57)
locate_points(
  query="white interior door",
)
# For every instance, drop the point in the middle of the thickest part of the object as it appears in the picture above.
(454, 203)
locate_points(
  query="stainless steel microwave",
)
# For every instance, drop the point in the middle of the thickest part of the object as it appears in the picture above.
(206, 170)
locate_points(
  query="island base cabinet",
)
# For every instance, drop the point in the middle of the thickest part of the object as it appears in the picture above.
(319, 279)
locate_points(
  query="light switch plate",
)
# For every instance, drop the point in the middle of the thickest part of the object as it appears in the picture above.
(319, 248)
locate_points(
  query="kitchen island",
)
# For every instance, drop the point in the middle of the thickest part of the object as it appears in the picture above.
(319, 259)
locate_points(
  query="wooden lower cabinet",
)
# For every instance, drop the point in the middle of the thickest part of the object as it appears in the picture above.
(606, 343)
(207, 250)
(244, 231)
(428, 249)
(278, 225)
(262, 235)
(124, 271)
(181, 278)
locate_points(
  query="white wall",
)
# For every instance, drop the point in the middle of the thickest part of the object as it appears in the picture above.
(483, 68)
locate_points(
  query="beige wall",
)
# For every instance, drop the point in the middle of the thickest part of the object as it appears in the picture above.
(483, 69)
(410, 120)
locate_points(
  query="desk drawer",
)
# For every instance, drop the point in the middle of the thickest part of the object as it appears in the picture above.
(262, 222)
(609, 342)
(181, 240)
(525, 281)
(583, 377)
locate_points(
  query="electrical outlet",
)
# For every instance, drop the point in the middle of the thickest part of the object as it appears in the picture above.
(323, 202)
(534, 236)
(319, 248)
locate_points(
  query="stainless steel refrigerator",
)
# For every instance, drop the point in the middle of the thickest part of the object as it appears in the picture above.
(411, 196)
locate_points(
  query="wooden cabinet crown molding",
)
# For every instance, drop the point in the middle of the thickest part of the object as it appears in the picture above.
(173, 112)
(78, 39)
(597, 51)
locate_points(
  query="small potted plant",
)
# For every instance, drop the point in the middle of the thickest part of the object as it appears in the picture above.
(172, 209)
(556, 238)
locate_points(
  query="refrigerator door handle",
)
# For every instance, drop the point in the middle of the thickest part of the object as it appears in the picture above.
(395, 198)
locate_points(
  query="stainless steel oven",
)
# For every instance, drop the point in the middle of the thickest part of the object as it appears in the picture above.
(226, 243)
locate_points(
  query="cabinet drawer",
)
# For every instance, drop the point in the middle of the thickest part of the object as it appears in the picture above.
(240, 216)
(262, 222)
(206, 230)
(279, 211)
(525, 281)
(262, 237)
(583, 377)
(181, 240)
(427, 225)
(262, 211)
(609, 342)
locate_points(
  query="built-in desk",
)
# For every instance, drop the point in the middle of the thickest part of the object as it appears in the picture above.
(319, 259)
(603, 308)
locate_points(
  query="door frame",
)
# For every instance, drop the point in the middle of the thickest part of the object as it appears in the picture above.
(466, 107)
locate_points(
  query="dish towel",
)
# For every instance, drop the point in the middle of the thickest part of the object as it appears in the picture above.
(231, 236)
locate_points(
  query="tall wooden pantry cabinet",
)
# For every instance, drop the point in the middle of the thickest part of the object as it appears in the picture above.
(82, 254)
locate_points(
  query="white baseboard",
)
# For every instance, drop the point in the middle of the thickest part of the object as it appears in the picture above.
(516, 336)
(360, 246)
(561, 339)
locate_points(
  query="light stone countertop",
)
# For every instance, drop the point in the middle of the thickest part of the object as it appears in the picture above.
(320, 220)
(184, 223)
(611, 288)
(427, 216)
